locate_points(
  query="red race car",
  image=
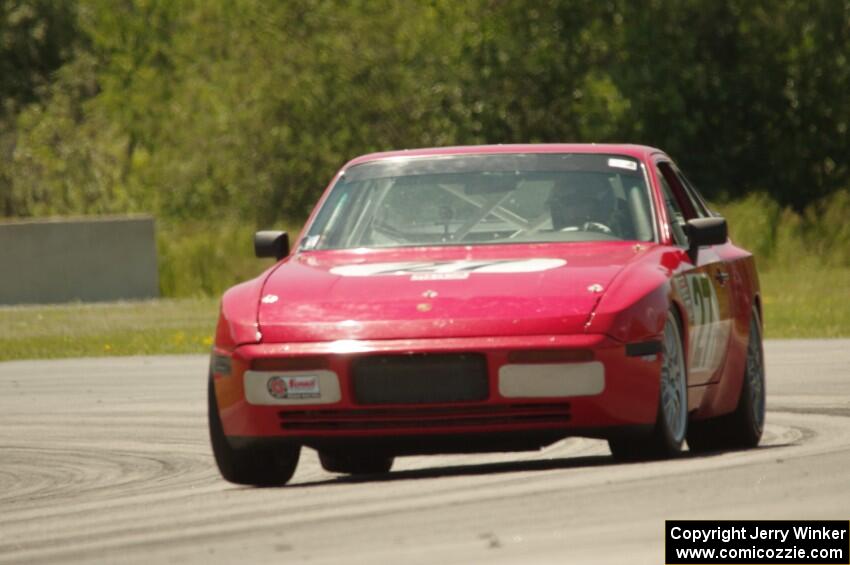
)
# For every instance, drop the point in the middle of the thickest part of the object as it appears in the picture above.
(490, 298)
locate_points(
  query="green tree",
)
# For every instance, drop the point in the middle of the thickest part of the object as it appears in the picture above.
(36, 38)
(540, 73)
(744, 94)
(244, 109)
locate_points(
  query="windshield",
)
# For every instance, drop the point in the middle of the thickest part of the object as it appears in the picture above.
(478, 199)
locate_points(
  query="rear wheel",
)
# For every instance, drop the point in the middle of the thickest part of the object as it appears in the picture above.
(355, 463)
(742, 428)
(671, 422)
(261, 465)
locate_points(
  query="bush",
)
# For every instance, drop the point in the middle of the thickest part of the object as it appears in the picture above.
(786, 240)
(202, 258)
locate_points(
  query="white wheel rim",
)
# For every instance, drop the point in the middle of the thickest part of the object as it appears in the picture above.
(755, 375)
(674, 395)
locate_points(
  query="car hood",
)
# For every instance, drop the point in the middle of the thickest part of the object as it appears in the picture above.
(445, 292)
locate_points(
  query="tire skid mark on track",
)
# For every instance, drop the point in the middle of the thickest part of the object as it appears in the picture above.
(355, 505)
(79, 472)
(133, 478)
(838, 411)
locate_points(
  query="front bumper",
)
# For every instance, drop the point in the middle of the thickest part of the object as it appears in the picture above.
(626, 396)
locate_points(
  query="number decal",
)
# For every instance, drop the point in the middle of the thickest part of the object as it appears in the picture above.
(704, 311)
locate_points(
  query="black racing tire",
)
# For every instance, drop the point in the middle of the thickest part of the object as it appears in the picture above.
(259, 464)
(352, 463)
(668, 434)
(742, 429)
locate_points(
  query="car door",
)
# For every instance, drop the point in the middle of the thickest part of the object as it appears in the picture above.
(704, 287)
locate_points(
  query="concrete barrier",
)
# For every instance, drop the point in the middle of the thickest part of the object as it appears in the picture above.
(68, 259)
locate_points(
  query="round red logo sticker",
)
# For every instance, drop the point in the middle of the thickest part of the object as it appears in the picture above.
(277, 387)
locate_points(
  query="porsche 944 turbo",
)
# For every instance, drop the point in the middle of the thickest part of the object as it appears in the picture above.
(490, 298)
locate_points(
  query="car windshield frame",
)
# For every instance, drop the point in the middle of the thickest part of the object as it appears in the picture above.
(479, 183)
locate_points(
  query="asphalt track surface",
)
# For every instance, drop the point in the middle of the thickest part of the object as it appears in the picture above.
(108, 460)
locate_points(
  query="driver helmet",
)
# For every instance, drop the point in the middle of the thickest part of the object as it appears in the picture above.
(573, 203)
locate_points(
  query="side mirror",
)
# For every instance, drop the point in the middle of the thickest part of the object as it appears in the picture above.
(271, 244)
(706, 231)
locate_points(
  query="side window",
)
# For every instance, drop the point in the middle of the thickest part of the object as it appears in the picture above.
(674, 211)
(694, 195)
(677, 187)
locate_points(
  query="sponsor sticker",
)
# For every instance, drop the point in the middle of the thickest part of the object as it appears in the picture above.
(306, 386)
(627, 164)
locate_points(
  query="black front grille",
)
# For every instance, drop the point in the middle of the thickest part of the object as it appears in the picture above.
(420, 378)
(422, 418)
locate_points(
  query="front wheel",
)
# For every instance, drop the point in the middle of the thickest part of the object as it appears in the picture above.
(742, 428)
(260, 465)
(671, 422)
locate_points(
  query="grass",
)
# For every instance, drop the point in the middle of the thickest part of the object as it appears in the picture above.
(803, 260)
(802, 304)
(117, 328)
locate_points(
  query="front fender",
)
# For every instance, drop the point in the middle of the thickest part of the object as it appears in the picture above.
(634, 306)
(639, 320)
(237, 320)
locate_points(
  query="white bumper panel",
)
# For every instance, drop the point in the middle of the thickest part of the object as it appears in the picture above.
(311, 387)
(548, 380)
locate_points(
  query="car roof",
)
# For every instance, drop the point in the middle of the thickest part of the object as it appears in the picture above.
(637, 151)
